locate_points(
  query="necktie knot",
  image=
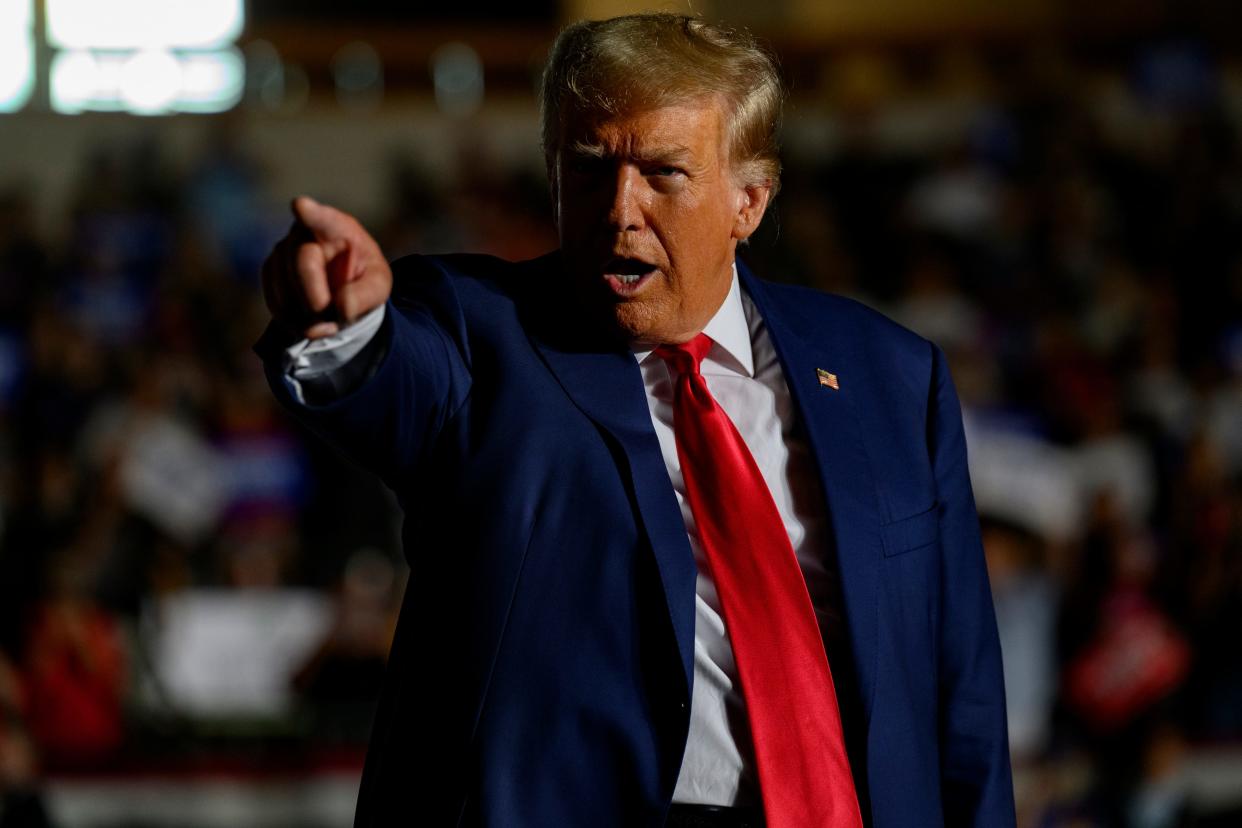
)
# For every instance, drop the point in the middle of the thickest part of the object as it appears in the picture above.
(686, 357)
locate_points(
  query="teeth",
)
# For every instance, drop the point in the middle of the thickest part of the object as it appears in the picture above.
(629, 278)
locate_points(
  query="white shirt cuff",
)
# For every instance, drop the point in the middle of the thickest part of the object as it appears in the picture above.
(318, 360)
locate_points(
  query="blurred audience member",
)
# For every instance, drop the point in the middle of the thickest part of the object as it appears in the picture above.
(342, 678)
(21, 804)
(1026, 610)
(76, 673)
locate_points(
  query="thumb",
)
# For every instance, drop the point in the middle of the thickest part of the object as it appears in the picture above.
(354, 299)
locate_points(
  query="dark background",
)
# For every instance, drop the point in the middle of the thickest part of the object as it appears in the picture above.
(196, 599)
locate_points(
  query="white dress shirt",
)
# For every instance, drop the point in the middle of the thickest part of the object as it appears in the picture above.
(744, 375)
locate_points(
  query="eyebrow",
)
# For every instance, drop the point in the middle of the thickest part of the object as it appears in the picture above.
(674, 153)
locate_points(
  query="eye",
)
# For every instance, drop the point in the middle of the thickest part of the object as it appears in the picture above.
(585, 165)
(666, 178)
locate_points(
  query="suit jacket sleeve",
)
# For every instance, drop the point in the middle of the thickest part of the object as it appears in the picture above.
(975, 773)
(390, 422)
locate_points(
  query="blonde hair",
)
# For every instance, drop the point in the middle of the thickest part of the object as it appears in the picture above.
(605, 68)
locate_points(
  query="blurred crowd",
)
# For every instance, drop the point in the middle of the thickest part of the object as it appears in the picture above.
(184, 575)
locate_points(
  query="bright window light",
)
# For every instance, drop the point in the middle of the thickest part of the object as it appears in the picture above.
(16, 14)
(152, 82)
(76, 81)
(212, 81)
(148, 57)
(17, 69)
(144, 24)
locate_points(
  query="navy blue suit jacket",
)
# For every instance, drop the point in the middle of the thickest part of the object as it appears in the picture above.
(540, 675)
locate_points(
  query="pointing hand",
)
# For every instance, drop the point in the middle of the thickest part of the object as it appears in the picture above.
(325, 273)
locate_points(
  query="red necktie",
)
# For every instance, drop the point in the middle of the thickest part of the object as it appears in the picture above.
(804, 774)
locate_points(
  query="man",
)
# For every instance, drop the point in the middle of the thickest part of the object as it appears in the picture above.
(687, 548)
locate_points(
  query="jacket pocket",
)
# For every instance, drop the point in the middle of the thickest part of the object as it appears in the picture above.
(914, 532)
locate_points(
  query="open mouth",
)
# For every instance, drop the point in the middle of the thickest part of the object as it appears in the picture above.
(626, 276)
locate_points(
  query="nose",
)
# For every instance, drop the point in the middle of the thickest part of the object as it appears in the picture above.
(625, 212)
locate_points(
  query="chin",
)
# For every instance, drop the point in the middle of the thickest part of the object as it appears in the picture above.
(634, 322)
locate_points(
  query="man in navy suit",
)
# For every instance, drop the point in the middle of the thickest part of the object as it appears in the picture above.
(563, 656)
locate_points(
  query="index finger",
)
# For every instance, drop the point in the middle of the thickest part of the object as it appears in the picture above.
(328, 224)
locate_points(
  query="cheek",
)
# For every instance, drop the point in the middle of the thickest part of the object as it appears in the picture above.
(572, 205)
(572, 228)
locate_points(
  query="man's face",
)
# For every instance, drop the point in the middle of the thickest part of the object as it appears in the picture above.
(649, 215)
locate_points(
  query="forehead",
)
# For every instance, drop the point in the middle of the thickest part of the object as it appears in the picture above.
(695, 126)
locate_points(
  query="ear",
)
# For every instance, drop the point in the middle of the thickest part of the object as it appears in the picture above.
(752, 202)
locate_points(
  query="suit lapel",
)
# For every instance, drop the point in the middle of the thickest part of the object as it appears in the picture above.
(606, 385)
(834, 429)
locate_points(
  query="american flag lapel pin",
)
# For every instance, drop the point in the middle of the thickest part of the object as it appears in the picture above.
(828, 379)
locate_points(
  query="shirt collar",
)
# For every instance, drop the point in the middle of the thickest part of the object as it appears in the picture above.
(729, 332)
